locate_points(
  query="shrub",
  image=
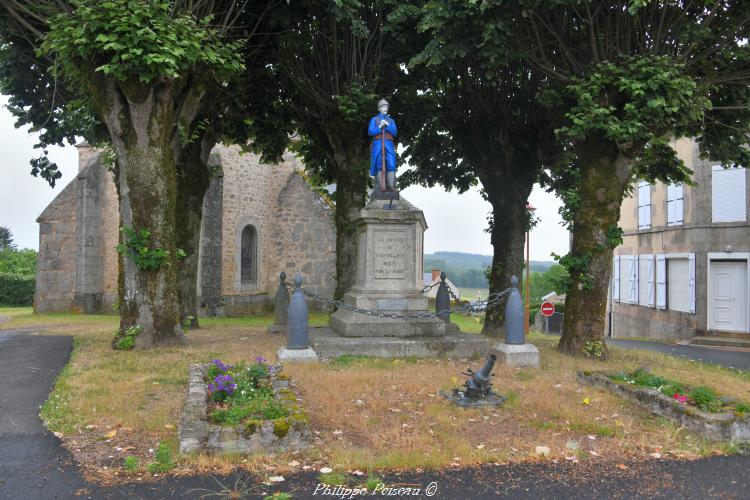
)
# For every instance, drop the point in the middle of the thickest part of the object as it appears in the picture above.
(17, 289)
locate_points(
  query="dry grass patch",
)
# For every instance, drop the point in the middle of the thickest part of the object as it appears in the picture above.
(368, 413)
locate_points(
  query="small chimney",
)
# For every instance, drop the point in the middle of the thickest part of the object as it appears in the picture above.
(85, 153)
(435, 274)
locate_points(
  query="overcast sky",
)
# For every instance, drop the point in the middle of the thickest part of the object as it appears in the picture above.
(456, 222)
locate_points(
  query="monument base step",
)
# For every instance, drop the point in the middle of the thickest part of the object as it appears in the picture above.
(350, 324)
(329, 344)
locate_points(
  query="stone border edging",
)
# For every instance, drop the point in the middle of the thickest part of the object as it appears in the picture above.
(193, 430)
(714, 426)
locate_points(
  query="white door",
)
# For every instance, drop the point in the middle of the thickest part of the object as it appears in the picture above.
(727, 306)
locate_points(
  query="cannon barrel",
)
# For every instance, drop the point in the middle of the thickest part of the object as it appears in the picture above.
(483, 375)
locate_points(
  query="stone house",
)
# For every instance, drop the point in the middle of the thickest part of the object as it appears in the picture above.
(258, 220)
(683, 270)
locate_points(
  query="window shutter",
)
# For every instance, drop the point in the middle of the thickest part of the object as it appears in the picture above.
(644, 205)
(678, 205)
(651, 276)
(634, 279)
(616, 280)
(674, 204)
(691, 281)
(661, 281)
(728, 194)
(671, 205)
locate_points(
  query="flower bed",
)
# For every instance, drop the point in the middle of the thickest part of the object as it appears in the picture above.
(241, 409)
(698, 408)
(703, 398)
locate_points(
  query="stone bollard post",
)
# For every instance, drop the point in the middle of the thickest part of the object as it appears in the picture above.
(297, 318)
(298, 343)
(443, 300)
(514, 331)
(280, 307)
(514, 350)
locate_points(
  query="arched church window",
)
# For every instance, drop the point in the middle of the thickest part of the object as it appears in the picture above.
(249, 255)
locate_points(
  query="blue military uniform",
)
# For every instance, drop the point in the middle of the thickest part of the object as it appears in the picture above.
(375, 148)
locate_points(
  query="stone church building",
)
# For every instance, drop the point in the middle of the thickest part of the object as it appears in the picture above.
(258, 220)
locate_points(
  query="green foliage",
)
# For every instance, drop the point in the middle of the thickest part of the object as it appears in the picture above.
(659, 162)
(554, 279)
(139, 246)
(21, 262)
(163, 461)
(593, 349)
(356, 102)
(705, 399)
(262, 407)
(614, 236)
(373, 482)
(332, 478)
(741, 408)
(16, 289)
(630, 100)
(253, 397)
(6, 239)
(131, 463)
(279, 495)
(150, 40)
(126, 341)
(577, 265)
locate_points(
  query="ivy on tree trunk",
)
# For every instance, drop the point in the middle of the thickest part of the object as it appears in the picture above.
(605, 173)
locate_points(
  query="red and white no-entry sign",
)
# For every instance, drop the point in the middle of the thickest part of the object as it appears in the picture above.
(548, 309)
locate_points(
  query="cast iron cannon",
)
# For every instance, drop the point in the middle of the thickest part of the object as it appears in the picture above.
(478, 388)
(478, 384)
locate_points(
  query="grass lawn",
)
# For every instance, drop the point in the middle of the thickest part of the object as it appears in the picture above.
(368, 414)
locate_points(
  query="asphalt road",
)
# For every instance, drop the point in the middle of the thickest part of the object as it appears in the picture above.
(739, 359)
(34, 466)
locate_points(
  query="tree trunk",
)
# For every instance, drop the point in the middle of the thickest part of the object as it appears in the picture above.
(508, 195)
(150, 297)
(604, 175)
(350, 198)
(140, 125)
(193, 179)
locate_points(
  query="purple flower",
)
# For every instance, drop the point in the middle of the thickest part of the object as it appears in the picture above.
(261, 359)
(221, 366)
(223, 383)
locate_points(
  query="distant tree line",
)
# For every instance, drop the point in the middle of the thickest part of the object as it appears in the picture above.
(17, 272)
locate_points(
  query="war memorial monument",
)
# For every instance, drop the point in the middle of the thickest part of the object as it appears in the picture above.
(390, 233)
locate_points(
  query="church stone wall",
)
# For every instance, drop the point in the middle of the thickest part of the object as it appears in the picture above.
(56, 264)
(305, 240)
(79, 230)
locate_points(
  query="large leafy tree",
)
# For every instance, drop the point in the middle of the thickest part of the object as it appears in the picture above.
(334, 63)
(474, 117)
(630, 75)
(144, 76)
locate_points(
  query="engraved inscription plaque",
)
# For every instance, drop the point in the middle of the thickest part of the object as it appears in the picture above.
(390, 254)
(393, 305)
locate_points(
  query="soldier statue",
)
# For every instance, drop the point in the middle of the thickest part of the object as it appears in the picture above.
(383, 131)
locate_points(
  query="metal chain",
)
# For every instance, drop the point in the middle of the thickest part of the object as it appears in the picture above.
(465, 307)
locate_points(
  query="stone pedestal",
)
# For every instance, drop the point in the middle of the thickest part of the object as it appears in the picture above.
(389, 274)
(389, 280)
(297, 355)
(516, 354)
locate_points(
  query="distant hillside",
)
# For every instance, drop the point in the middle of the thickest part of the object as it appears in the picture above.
(460, 260)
